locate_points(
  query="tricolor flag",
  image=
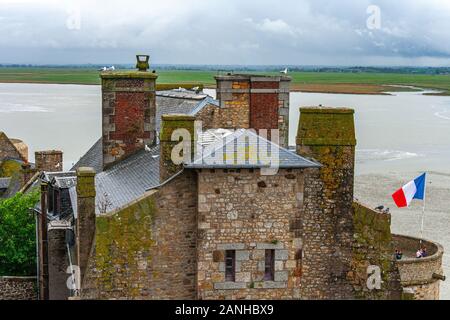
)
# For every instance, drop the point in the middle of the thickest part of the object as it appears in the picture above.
(412, 190)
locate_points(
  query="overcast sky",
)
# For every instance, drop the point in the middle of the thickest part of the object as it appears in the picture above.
(300, 32)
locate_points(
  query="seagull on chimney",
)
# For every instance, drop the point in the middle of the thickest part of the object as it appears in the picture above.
(147, 148)
(285, 71)
(58, 165)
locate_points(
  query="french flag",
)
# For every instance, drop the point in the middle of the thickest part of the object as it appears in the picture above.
(412, 190)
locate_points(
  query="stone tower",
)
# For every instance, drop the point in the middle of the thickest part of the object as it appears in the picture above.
(328, 135)
(128, 112)
(255, 102)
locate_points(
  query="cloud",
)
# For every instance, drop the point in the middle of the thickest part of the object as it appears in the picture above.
(276, 27)
(322, 32)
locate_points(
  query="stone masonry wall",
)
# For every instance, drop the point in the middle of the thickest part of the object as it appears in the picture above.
(58, 262)
(373, 247)
(244, 211)
(418, 275)
(18, 288)
(50, 161)
(147, 250)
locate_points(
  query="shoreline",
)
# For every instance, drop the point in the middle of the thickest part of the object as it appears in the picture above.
(324, 88)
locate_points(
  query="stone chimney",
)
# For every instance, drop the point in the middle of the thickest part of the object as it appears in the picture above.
(85, 216)
(170, 123)
(49, 161)
(128, 111)
(328, 136)
(256, 102)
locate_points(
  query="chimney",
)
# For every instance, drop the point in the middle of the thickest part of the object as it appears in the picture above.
(328, 136)
(49, 161)
(170, 123)
(85, 216)
(128, 111)
(253, 101)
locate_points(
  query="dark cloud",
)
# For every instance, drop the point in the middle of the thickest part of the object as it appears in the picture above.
(225, 31)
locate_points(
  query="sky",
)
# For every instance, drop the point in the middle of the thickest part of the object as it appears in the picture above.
(255, 32)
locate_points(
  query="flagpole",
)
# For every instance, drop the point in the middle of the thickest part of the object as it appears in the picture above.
(423, 212)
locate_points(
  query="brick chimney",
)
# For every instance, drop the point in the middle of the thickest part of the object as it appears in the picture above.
(49, 161)
(170, 123)
(256, 102)
(85, 216)
(128, 111)
(328, 136)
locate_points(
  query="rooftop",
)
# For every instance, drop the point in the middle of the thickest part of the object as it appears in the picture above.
(224, 149)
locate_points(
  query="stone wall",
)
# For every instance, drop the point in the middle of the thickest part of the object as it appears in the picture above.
(49, 161)
(206, 116)
(147, 250)
(18, 288)
(420, 275)
(58, 262)
(373, 247)
(128, 111)
(243, 211)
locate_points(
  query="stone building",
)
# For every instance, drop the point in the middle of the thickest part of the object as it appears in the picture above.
(238, 217)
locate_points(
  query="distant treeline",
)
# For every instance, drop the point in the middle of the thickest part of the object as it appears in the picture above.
(249, 68)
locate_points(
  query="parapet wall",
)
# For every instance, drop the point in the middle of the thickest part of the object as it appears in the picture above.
(421, 276)
(373, 247)
(18, 288)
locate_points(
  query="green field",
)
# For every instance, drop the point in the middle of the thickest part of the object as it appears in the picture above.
(301, 81)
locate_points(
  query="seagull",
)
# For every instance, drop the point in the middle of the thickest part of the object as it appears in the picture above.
(147, 148)
(58, 165)
(379, 208)
(285, 71)
(386, 211)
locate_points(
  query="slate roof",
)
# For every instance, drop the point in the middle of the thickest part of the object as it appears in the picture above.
(64, 182)
(180, 102)
(128, 179)
(92, 158)
(257, 153)
(4, 183)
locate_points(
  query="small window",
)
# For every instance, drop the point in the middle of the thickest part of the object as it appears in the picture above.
(269, 273)
(230, 265)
